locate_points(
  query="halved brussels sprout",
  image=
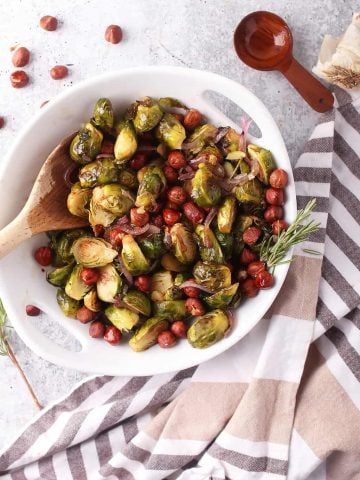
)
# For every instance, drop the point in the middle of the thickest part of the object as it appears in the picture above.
(211, 154)
(200, 137)
(249, 192)
(171, 132)
(161, 282)
(183, 244)
(132, 257)
(93, 252)
(109, 283)
(103, 115)
(128, 179)
(68, 305)
(126, 142)
(61, 246)
(148, 115)
(169, 262)
(213, 276)
(264, 159)
(151, 186)
(226, 241)
(169, 102)
(78, 201)
(123, 318)
(230, 141)
(146, 336)
(86, 144)
(208, 329)
(99, 172)
(59, 276)
(222, 298)
(209, 248)
(153, 246)
(92, 302)
(75, 287)
(113, 198)
(206, 191)
(226, 214)
(171, 309)
(99, 216)
(138, 301)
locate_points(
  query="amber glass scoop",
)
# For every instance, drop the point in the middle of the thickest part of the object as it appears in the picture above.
(264, 41)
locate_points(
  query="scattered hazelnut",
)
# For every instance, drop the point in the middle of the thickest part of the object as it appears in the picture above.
(58, 72)
(21, 57)
(113, 34)
(19, 79)
(48, 23)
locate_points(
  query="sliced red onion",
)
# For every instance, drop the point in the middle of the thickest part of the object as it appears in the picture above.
(68, 173)
(131, 230)
(147, 148)
(245, 125)
(167, 238)
(120, 303)
(186, 176)
(153, 229)
(217, 170)
(222, 131)
(104, 155)
(122, 220)
(125, 272)
(231, 317)
(200, 159)
(209, 218)
(191, 283)
(86, 158)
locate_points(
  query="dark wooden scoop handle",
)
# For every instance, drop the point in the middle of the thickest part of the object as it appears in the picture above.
(315, 94)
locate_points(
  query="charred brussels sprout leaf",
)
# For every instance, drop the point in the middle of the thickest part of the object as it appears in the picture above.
(264, 159)
(126, 142)
(169, 102)
(171, 132)
(86, 144)
(92, 302)
(226, 214)
(122, 318)
(226, 241)
(222, 298)
(146, 336)
(128, 179)
(112, 198)
(249, 192)
(170, 262)
(109, 283)
(68, 305)
(148, 115)
(171, 309)
(151, 186)
(210, 154)
(75, 287)
(78, 201)
(132, 257)
(210, 250)
(183, 244)
(59, 276)
(161, 282)
(138, 301)
(99, 172)
(93, 252)
(213, 276)
(103, 115)
(208, 329)
(200, 137)
(206, 191)
(153, 246)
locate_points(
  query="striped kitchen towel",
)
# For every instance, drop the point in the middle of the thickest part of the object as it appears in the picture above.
(282, 403)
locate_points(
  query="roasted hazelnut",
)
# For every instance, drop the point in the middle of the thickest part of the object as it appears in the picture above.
(48, 23)
(21, 57)
(59, 72)
(274, 196)
(278, 178)
(192, 119)
(19, 79)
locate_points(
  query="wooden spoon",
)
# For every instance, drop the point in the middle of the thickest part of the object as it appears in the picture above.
(45, 208)
(264, 41)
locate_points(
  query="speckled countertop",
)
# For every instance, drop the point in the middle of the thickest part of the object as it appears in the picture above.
(192, 33)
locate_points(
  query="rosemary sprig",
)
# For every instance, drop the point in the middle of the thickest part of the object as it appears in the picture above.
(274, 253)
(4, 350)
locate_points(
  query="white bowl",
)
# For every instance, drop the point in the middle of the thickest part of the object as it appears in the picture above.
(22, 281)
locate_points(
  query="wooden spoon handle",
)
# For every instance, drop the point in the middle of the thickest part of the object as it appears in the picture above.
(313, 91)
(13, 234)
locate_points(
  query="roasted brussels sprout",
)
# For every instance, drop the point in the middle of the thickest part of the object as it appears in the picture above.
(226, 214)
(208, 329)
(92, 302)
(132, 257)
(61, 246)
(264, 159)
(230, 141)
(206, 191)
(128, 178)
(171, 309)
(123, 318)
(78, 200)
(126, 142)
(153, 246)
(103, 115)
(93, 252)
(113, 198)
(161, 282)
(249, 192)
(209, 248)
(226, 241)
(75, 287)
(171, 132)
(211, 154)
(169, 262)
(109, 283)
(99, 172)
(148, 115)
(236, 300)
(59, 276)
(235, 155)
(151, 186)
(222, 298)
(183, 244)
(146, 336)
(138, 301)
(174, 293)
(100, 216)
(200, 137)
(86, 144)
(169, 102)
(213, 276)
(68, 305)
(180, 278)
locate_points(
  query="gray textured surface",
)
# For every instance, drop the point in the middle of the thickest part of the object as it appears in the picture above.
(193, 33)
